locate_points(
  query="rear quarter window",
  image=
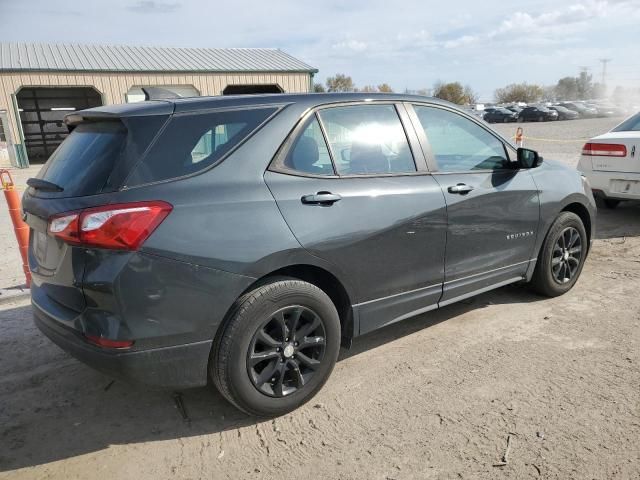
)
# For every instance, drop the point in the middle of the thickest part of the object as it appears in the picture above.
(192, 142)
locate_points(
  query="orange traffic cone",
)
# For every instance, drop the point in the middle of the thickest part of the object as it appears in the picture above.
(20, 228)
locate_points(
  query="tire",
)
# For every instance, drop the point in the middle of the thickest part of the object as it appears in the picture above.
(549, 267)
(520, 120)
(259, 314)
(505, 120)
(541, 118)
(608, 203)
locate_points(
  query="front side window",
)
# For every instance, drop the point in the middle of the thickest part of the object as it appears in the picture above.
(367, 139)
(309, 153)
(459, 144)
(192, 142)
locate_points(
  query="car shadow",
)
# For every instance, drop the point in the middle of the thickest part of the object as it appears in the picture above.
(623, 221)
(61, 409)
(52, 407)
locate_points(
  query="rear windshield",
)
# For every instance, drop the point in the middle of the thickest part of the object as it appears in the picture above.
(192, 142)
(82, 163)
(97, 156)
(629, 125)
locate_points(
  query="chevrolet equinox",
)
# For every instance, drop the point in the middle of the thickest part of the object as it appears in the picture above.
(244, 239)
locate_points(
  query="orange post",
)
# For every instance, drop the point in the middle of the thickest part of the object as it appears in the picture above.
(20, 228)
(519, 137)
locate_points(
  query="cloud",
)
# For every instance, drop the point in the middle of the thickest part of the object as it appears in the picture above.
(350, 46)
(152, 6)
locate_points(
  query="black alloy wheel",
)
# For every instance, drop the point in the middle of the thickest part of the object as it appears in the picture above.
(286, 351)
(567, 255)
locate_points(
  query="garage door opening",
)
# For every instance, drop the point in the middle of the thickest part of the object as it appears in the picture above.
(252, 89)
(135, 94)
(42, 110)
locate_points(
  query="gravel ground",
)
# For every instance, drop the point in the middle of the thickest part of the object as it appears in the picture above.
(437, 396)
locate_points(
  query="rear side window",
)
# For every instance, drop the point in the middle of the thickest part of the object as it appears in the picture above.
(191, 143)
(86, 158)
(367, 139)
(629, 125)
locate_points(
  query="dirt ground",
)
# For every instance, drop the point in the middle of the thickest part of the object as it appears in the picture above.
(437, 396)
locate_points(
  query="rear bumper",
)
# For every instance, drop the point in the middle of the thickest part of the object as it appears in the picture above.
(179, 366)
(602, 184)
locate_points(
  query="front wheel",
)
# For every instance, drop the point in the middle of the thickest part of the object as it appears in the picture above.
(562, 256)
(277, 348)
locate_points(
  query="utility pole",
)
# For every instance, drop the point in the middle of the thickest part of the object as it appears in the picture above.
(604, 62)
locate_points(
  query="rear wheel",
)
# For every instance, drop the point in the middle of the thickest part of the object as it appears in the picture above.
(609, 203)
(562, 256)
(541, 118)
(277, 348)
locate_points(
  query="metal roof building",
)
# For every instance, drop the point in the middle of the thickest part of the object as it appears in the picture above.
(40, 83)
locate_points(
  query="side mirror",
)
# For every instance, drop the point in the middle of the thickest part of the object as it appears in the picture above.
(528, 158)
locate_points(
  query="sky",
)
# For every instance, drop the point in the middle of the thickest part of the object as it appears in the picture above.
(408, 44)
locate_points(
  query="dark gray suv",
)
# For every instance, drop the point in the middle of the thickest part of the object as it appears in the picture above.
(244, 239)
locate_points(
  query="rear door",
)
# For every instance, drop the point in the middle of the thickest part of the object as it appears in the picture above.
(493, 208)
(354, 189)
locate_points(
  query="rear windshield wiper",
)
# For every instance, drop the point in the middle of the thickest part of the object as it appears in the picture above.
(44, 185)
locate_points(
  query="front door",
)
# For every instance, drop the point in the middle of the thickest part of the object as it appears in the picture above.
(359, 202)
(492, 207)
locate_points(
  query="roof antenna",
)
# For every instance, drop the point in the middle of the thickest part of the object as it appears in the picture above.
(155, 93)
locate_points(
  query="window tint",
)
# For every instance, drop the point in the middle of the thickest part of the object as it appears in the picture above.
(191, 143)
(367, 139)
(309, 153)
(84, 161)
(630, 125)
(459, 144)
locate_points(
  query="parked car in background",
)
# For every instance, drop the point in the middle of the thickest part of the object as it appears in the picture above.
(537, 114)
(607, 110)
(514, 108)
(564, 113)
(500, 115)
(231, 238)
(583, 110)
(611, 163)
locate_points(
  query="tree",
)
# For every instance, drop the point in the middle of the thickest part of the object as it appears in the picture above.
(519, 92)
(318, 88)
(567, 89)
(368, 89)
(385, 88)
(454, 92)
(340, 83)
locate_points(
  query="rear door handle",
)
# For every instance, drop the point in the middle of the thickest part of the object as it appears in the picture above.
(460, 188)
(321, 198)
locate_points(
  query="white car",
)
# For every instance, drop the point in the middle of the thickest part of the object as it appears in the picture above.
(611, 163)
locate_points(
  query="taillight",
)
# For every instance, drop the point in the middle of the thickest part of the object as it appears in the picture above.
(107, 343)
(120, 226)
(604, 150)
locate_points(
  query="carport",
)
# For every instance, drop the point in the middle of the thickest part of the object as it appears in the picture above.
(42, 110)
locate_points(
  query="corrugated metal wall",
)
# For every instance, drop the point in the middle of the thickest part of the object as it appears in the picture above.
(114, 86)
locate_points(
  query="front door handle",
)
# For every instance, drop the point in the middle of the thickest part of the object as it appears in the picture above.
(460, 188)
(321, 198)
